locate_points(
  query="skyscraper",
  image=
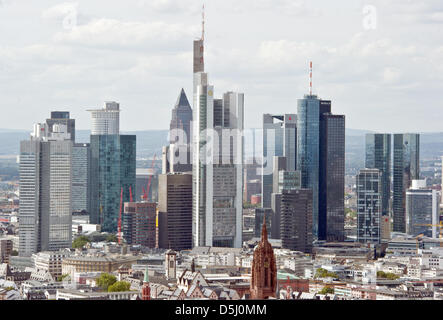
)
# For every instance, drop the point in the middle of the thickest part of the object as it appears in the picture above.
(217, 162)
(106, 121)
(321, 160)
(62, 117)
(279, 139)
(296, 220)
(378, 156)
(113, 167)
(179, 156)
(81, 158)
(175, 211)
(406, 168)
(369, 205)
(45, 190)
(422, 207)
(138, 223)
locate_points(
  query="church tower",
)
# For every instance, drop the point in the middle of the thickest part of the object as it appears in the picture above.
(264, 268)
(146, 290)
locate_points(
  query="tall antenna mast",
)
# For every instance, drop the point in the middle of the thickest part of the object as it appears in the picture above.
(310, 78)
(203, 23)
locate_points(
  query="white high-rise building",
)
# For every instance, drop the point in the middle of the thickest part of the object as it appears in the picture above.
(218, 149)
(45, 213)
(106, 121)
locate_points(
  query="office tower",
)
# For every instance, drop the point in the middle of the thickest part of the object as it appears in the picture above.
(179, 154)
(378, 156)
(259, 216)
(321, 161)
(442, 179)
(81, 157)
(45, 212)
(279, 139)
(181, 120)
(422, 207)
(369, 205)
(138, 223)
(332, 177)
(5, 250)
(175, 211)
(62, 117)
(279, 165)
(106, 121)
(405, 169)
(283, 181)
(113, 167)
(296, 220)
(218, 169)
(142, 182)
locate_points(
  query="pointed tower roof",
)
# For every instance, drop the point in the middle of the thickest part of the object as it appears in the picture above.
(182, 101)
(264, 231)
(146, 279)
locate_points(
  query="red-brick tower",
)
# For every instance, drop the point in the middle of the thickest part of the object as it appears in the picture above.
(264, 268)
(146, 290)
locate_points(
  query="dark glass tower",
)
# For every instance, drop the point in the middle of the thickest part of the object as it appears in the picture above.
(378, 156)
(62, 117)
(113, 163)
(406, 168)
(321, 161)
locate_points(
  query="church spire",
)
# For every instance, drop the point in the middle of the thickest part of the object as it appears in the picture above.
(264, 231)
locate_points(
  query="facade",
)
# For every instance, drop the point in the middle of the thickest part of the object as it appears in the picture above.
(405, 169)
(279, 140)
(296, 220)
(62, 117)
(45, 190)
(264, 269)
(79, 264)
(5, 250)
(106, 121)
(217, 162)
(50, 262)
(320, 159)
(175, 211)
(180, 135)
(422, 207)
(81, 158)
(113, 167)
(378, 156)
(369, 205)
(139, 223)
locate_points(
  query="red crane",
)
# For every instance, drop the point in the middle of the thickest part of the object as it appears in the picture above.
(120, 218)
(146, 193)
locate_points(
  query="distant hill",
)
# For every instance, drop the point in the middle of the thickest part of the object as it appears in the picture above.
(151, 141)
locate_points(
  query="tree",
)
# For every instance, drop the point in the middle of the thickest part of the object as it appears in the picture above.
(80, 242)
(327, 290)
(106, 280)
(119, 286)
(323, 273)
(63, 277)
(111, 238)
(14, 253)
(387, 275)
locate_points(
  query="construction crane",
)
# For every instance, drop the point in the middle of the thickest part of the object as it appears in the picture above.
(146, 192)
(119, 234)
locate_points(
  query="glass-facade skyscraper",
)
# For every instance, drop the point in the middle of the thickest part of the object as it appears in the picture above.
(321, 161)
(113, 167)
(405, 169)
(378, 156)
(369, 195)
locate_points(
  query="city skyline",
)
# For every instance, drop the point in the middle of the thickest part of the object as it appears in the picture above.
(378, 67)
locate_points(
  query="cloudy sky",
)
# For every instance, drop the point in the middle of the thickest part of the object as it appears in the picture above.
(379, 61)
